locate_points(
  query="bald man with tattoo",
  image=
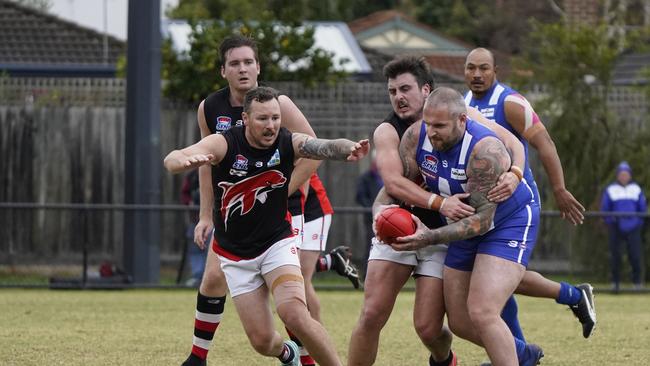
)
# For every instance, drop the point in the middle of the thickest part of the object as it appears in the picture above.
(488, 250)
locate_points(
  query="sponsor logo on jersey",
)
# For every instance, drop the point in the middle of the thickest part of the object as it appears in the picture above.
(275, 159)
(429, 166)
(487, 112)
(513, 243)
(239, 123)
(445, 164)
(241, 163)
(223, 123)
(241, 197)
(258, 164)
(239, 173)
(458, 174)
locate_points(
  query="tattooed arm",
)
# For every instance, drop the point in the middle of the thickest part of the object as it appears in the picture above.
(306, 146)
(488, 160)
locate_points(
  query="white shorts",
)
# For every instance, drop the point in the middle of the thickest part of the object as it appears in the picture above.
(314, 233)
(427, 261)
(245, 275)
(297, 227)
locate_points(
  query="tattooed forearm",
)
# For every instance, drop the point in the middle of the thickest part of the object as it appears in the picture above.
(320, 149)
(466, 228)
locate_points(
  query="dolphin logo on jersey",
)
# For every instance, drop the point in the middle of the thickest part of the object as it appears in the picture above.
(429, 166)
(243, 195)
(223, 123)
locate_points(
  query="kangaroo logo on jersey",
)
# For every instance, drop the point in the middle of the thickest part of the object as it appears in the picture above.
(275, 159)
(242, 196)
(223, 123)
(429, 166)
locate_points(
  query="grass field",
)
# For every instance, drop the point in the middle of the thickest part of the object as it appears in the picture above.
(153, 327)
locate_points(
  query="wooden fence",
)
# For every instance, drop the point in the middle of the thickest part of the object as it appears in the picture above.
(62, 141)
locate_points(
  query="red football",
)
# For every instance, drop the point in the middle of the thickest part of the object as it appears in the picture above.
(394, 222)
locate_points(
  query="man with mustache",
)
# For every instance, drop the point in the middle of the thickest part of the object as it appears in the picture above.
(219, 112)
(252, 168)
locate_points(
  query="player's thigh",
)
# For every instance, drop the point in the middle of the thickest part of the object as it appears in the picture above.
(384, 280)
(255, 314)
(287, 287)
(429, 307)
(214, 280)
(455, 292)
(308, 259)
(493, 280)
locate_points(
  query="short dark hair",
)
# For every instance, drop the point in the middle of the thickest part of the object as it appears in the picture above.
(236, 41)
(449, 97)
(417, 66)
(260, 94)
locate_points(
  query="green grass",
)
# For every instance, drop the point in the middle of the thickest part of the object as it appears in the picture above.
(154, 327)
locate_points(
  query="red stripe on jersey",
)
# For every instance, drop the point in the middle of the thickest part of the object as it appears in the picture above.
(234, 257)
(317, 185)
(205, 326)
(224, 253)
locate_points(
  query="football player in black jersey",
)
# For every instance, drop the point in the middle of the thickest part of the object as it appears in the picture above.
(252, 167)
(219, 112)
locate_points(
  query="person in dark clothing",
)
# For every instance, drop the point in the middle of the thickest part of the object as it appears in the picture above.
(368, 185)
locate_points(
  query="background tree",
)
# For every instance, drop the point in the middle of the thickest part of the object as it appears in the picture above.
(574, 62)
(286, 49)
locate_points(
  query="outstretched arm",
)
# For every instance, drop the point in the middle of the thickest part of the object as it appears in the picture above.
(524, 120)
(210, 149)
(308, 147)
(488, 160)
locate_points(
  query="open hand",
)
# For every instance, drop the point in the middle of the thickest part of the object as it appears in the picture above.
(570, 208)
(455, 209)
(359, 150)
(506, 185)
(414, 241)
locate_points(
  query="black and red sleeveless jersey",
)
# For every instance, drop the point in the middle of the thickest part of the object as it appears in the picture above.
(317, 203)
(431, 221)
(250, 190)
(219, 114)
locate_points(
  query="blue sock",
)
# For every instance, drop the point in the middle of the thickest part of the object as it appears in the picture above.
(520, 346)
(569, 294)
(509, 315)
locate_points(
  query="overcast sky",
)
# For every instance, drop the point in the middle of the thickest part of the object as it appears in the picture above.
(90, 13)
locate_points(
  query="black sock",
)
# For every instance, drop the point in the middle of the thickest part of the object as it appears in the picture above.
(446, 362)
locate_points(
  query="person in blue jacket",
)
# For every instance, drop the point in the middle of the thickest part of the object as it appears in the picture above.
(624, 195)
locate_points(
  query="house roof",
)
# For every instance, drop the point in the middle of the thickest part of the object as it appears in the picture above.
(35, 43)
(394, 32)
(628, 69)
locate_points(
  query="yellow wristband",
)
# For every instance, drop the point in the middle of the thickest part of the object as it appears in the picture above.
(517, 171)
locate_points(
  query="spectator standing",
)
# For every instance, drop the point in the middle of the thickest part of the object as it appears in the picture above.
(624, 195)
(196, 255)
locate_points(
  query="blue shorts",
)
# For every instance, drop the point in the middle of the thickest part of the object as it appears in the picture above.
(513, 239)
